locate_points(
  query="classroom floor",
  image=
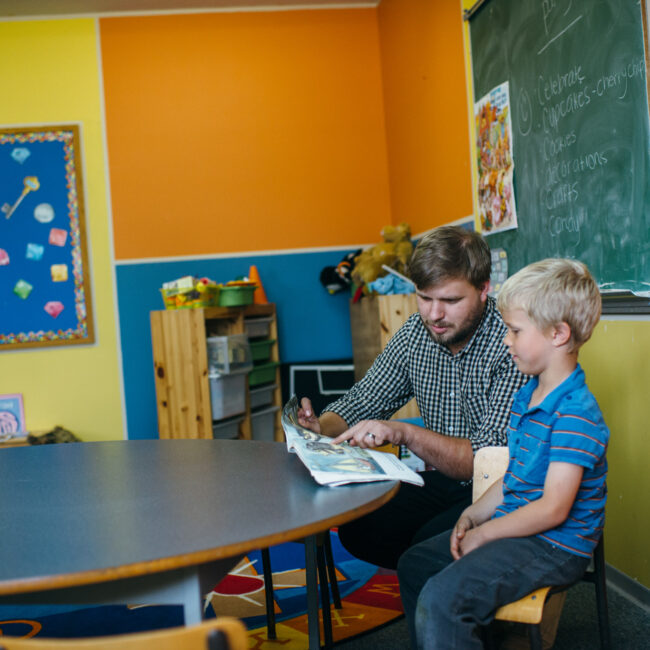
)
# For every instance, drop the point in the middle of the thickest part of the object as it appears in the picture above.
(578, 628)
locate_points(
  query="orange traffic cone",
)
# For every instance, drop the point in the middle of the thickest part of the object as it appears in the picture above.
(259, 297)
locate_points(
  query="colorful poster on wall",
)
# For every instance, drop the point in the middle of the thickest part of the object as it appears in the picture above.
(44, 275)
(12, 415)
(496, 198)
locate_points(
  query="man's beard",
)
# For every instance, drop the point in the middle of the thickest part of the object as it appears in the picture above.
(464, 332)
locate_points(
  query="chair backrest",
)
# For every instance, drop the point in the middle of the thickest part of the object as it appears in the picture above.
(490, 464)
(218, 634)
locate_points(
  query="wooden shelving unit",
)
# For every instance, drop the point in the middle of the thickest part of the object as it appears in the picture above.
(181, 367)
(373, 321)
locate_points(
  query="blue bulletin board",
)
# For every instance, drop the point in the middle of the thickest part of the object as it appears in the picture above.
(44, 274)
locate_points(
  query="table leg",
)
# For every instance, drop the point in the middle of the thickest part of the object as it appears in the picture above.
(312, 592)
(324, 597)
(268, 594)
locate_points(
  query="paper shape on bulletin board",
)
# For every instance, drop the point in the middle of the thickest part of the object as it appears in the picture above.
(496, 197)
(42, 232)
(499, 272)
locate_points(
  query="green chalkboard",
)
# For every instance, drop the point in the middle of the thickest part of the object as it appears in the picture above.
(579, 113)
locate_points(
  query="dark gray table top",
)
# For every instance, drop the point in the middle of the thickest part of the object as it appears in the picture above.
(87, 512)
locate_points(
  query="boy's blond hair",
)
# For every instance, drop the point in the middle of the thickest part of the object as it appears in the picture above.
(553, 291)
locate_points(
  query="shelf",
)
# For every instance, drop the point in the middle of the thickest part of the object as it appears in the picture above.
(181, 367)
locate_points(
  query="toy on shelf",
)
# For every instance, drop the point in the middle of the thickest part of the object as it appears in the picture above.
(259, 297)
(358, 270)
(188, 292)
(395, 252)
(339, 277)
(237, 293)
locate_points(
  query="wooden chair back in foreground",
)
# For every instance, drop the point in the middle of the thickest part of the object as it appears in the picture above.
(218, 634)
(490, 464)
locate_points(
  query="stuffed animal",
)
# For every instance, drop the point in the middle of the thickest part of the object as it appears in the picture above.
(339, 277)
(58, 434)
(395, 252)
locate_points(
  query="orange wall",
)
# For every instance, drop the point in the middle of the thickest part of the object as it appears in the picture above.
(244, 131)
(425, 101)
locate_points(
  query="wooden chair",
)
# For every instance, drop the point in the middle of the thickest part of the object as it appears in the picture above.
(490, 464)
(218, 634)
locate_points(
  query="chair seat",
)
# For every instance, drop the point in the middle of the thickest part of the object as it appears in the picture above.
(528, 609)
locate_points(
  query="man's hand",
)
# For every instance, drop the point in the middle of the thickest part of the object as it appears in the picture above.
(306, 416)
(369, 434)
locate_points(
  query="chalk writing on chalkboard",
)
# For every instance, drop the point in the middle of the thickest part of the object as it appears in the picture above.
(44, 283)
(581, 143)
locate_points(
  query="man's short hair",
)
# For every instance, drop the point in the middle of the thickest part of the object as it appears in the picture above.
(553, 291)
(450, 252)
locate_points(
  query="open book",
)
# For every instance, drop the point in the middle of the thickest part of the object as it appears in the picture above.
(332, 464)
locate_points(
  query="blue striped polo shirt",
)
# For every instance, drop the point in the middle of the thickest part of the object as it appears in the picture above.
(566, 427)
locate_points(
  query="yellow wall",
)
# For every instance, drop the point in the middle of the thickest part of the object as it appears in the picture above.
(49, 72)
(616, 363)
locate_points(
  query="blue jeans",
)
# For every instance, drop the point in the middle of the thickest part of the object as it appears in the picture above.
(445, 600)
(415, 514)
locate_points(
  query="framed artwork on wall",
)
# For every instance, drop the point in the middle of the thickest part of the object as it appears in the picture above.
(12, 415)
(44, 273)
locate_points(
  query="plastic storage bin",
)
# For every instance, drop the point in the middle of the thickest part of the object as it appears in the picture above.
(256, 328)
(227, 429)
(262, 396)
(190, 298)
(236, 296)
(261, 350)
(228, 354)
(227, 394)
(263, 373)
(263, 423)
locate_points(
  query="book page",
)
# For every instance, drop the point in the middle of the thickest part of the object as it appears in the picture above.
(332, 464)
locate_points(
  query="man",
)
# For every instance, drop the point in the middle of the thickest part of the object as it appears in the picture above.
(449, 356)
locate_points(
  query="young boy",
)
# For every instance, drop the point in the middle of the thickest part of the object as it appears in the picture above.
(539, 525)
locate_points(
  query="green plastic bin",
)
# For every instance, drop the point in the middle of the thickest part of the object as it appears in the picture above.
(236, 296)
(261, 350)
(262, 373)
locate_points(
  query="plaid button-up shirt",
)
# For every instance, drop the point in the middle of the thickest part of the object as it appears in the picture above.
(465, 395)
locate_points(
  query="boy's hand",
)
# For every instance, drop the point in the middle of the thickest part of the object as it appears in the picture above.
(462, 527)
(471, 541)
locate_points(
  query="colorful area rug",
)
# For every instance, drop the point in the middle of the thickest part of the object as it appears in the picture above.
(370, 598)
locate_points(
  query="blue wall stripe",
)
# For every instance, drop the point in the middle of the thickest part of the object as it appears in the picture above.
(312, 324)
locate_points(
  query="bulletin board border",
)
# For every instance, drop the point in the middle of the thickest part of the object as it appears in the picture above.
(83, 332)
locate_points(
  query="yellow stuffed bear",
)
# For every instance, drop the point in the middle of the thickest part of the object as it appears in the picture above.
(395, 252)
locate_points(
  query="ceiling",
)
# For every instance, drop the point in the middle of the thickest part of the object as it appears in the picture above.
(28, 8)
